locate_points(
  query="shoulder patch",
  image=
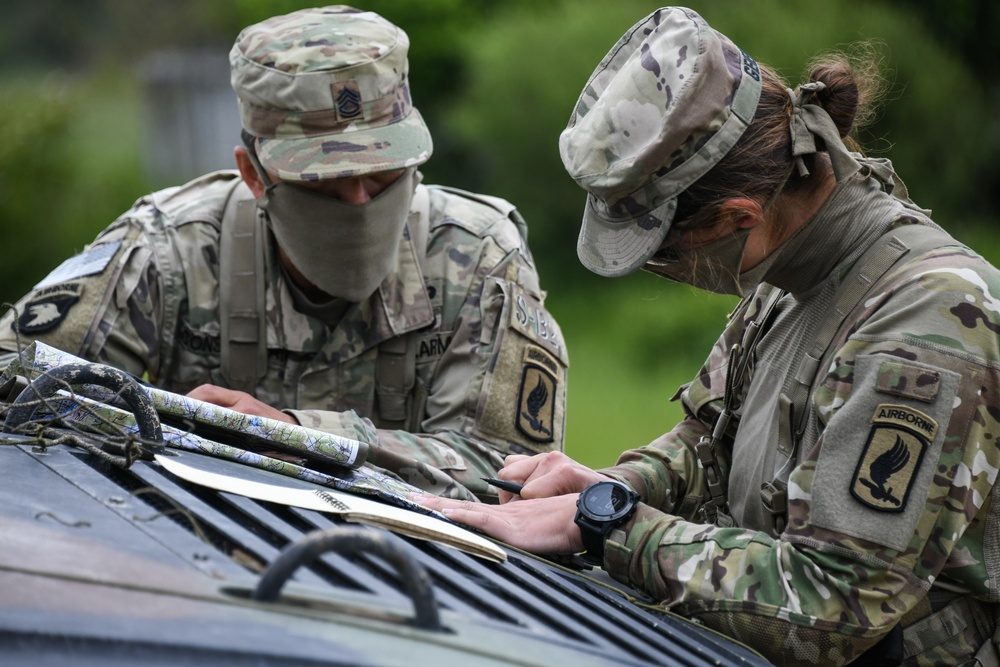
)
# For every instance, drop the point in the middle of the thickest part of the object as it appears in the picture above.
(48, 308)
(537, 395)
(888, 464)
(85, 264)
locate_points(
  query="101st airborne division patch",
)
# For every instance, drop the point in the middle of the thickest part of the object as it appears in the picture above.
(891, 458)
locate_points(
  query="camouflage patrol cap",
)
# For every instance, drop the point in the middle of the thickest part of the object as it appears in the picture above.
(666, 103)
(326, 92)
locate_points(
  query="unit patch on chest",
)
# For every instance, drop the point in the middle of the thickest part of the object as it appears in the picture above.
(889, 462)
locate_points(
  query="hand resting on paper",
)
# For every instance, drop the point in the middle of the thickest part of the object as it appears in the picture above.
(239, 401)
(541, 526)
(545, 476)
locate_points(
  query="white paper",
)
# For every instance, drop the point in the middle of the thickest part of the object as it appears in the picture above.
(296, 493)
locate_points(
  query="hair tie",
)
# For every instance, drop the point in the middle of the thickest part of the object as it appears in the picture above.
(803, 141)
(809, 121)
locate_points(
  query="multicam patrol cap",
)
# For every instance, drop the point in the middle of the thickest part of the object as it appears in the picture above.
(663, 107)
(326, 92)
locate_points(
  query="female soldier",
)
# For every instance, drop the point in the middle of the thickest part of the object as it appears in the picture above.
(828, 493)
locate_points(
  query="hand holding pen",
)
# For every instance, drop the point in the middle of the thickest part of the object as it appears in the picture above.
(504, 485)
(551, 474)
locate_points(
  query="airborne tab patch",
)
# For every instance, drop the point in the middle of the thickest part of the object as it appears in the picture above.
(536, 402)
(890, 459)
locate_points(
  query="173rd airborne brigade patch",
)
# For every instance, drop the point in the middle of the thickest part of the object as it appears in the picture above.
(891, 458)
(536, 402)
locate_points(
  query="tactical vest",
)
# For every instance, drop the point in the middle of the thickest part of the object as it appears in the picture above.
(242, 290)
(888, 251)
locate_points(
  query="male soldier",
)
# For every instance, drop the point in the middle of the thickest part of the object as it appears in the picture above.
(322, 278)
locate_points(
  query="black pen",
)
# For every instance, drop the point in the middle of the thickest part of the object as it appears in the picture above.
(512, 487)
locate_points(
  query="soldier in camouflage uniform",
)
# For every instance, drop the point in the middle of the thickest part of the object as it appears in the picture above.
(327, 282)
(827, 499)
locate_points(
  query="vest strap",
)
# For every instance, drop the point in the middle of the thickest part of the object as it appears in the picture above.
(243, 339)
(395, 366)
(716, 509)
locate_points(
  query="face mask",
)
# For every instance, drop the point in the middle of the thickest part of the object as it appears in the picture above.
(713, 267)
(345, 250)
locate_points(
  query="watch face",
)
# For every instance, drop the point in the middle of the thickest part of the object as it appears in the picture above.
(605, 501)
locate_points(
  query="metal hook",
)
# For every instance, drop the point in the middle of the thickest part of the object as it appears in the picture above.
(346, 540)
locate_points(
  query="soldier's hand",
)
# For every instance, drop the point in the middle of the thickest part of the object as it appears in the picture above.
(542, 526)
(546, 475)
(239, 401)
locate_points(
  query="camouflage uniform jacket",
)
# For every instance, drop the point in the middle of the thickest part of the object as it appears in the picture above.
(890, 512)
(145, 297)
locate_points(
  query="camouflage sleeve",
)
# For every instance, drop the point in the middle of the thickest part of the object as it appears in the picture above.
(665, 472)
(889, 501)
(101, 305)
(479, 405)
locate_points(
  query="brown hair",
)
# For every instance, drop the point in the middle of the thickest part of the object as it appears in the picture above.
(761, 160)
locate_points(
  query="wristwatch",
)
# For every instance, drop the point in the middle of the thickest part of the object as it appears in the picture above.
(600, 509)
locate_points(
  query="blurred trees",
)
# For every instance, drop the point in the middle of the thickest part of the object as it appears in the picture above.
(527, 69)
(496, 82)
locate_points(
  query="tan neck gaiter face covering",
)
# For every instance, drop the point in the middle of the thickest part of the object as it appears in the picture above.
(714, 267)
(345, 250)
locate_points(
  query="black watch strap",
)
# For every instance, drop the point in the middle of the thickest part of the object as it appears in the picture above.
(601, 508)
(593, 540)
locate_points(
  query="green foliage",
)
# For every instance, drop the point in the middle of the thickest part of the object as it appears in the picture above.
(68, 157)
(30, 144)
(526, 67)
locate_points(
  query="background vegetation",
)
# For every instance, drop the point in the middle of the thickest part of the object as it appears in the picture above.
(496, 82)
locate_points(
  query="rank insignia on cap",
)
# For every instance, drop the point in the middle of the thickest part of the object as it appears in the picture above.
(349, 101)
(536, 402)
(888, 464)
